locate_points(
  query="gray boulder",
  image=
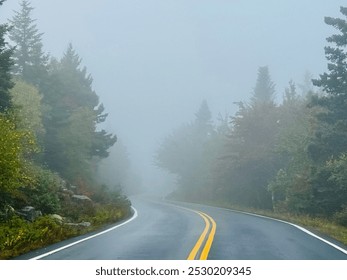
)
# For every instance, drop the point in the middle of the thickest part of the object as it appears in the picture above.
(79, 225)
(29, 213)
(77, 197)
(57, 218)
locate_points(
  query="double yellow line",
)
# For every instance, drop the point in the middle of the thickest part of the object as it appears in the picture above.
(203, 245)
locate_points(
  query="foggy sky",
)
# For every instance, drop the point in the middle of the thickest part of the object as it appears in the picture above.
(154, 61)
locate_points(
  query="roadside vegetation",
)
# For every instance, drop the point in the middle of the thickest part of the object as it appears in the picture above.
(284, 157)
(51, 144)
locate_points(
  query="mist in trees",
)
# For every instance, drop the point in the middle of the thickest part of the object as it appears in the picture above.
(287, 156)
(236, 114)
(51, 122)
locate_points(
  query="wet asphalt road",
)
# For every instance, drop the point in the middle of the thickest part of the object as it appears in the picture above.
(163, 231)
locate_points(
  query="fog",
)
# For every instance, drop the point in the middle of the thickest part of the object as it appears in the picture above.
(154, 61)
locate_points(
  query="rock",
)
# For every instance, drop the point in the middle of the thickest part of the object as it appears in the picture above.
(80, 225)
(85, 224)
(57, 217)
(7, 212)
(81, 197)
(67, 191)
(29, 213)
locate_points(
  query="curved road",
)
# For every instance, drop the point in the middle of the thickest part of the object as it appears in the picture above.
(165, 231)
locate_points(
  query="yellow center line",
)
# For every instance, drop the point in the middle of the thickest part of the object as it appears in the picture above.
(201, 238)
(209, 241)
(204, 254)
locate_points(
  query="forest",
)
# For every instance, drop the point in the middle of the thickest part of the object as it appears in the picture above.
(282, 156)
(51, 144)
(285, 157)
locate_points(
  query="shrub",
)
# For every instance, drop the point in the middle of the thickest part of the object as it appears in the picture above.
(341, 216)
(18, 236)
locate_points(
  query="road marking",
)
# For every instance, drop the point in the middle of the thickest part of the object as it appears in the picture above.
(294, 225)
(210, 226)
(201, 239)
(87, 238)
(209, 241)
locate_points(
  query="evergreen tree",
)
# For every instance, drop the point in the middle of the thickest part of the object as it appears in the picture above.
(183, 153)
(330, 138)
(328, 146)
(73, 112)
(249, 158)
(5, 67)
(335, 82)
(264, 90)
(30, 60)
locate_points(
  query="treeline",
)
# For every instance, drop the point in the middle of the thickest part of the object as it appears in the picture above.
(289, 157)
(50, 139)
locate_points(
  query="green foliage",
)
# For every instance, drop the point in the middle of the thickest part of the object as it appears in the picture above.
(330, 137)
(72, 138)
(335, 82)
(57, 107)
(42, 193)
(15, 144)
(329, 186)
(250, 155)
(27, 100)
(108, 214)
(18, 236)
(341, 216)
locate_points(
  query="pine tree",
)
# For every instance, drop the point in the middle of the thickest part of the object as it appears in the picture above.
(335, 82)
(328, 147)
(183, 153)
(5, 66)
(331, 136)
(72, 138)
(264, 91)
(30, 60)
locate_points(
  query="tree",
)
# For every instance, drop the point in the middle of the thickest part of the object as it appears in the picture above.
(72, 137)
(76, 140)
(290, 187)
(250, 154)
(249, 161)
(5, 67)
(331, 135)
(335, 82)
(264, 90)
(183, 153)
(28, 108)
(15, 146)
(328, 145)
(30, 60)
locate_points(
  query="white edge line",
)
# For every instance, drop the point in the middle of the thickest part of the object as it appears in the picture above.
(278, 220)
(294, 225)
(87, 238)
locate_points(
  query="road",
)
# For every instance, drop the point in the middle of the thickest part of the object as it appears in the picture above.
(166, 231)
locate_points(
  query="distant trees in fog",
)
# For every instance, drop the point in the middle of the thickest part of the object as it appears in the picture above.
(289, 157)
